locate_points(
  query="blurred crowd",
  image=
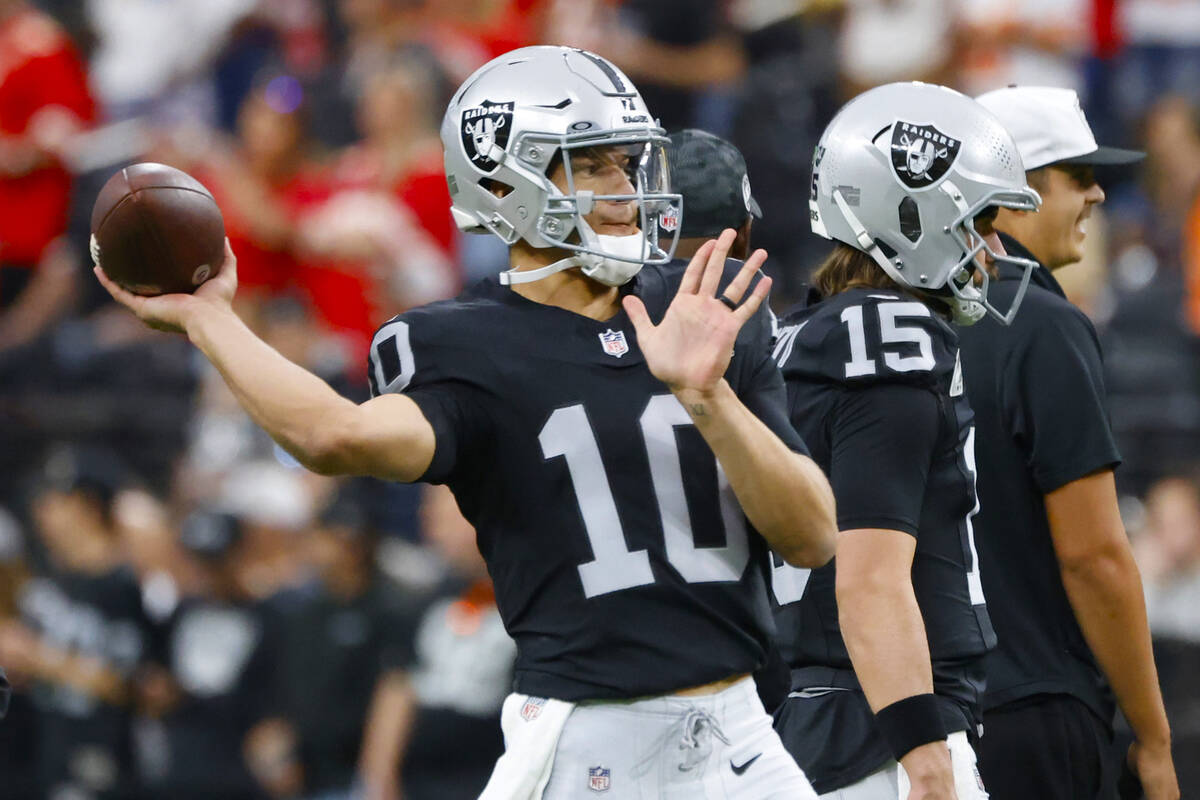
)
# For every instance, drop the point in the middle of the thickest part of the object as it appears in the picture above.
(184, 612)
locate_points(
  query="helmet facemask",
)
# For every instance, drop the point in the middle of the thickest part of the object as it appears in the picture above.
(612, 260)
(970, 299)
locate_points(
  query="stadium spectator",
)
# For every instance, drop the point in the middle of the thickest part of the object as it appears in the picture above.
(342, 636)
(154, 59)
(18, 734)
(263, 180)
(882, 41)
(274, 506)
(384, 241)
(1062, 586)
(1167, 548)
(434, 724)
(791, 89)
(1027, 42)
(209, 692)
(1150, 348)
(44, 103)
(81, 632)
(683, 54)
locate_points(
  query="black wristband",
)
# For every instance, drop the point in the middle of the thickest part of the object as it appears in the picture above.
(909, 723)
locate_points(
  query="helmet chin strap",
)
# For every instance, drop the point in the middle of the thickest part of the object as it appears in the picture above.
(518, 275)
(612, 260)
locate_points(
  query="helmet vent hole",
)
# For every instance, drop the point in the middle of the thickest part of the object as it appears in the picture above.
(885, 248)
(910, 219)
(498, 188)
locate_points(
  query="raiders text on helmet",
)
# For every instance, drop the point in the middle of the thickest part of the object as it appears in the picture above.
(513, 120)
(901, 173)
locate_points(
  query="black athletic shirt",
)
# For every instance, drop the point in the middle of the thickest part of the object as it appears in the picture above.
(97, 616)
(1038, 392)
(874, 387)
(622, 562)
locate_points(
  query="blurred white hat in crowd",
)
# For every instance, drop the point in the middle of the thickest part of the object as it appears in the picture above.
(1049, 127)
(269, 494)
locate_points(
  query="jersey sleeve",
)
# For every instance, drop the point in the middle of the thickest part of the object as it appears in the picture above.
(402, 361)
(882, 440)
(1053, 395)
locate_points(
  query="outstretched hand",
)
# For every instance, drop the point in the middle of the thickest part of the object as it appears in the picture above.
(170, 312)
(691, 348)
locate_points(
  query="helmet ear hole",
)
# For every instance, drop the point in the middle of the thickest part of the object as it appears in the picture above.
(910, 219)
(498, 188)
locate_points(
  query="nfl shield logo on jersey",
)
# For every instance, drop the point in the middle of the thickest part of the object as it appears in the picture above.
(532, 708)
(599, 779)
(614, 343)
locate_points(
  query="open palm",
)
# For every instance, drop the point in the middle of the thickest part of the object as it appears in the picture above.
(691, 348)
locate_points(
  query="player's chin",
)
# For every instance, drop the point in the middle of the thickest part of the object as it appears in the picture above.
(617, 229)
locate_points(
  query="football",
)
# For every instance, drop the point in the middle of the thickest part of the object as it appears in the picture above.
(157, 230)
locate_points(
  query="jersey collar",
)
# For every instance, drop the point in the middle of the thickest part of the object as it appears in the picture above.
(1041, 276)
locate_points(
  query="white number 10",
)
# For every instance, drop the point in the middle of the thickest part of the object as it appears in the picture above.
(568, 433)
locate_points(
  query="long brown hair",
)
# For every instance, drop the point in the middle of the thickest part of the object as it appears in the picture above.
(847, 267)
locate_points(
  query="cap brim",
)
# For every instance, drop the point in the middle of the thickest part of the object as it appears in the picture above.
(1106, 156)
(752, 207)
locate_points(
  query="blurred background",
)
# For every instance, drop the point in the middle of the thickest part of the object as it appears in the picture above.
(184, 612)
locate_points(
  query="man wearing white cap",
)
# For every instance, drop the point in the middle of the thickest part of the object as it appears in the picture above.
(1060, 580)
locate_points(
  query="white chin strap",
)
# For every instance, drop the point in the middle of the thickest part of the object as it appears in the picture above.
(518, 275)
(616, 260)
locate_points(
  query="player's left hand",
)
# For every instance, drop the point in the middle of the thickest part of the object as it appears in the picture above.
(691, 348)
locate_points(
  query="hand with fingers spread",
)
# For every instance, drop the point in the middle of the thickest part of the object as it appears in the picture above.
(171, 312)
(691, 347)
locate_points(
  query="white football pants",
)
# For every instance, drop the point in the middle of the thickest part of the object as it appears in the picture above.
(708, 747)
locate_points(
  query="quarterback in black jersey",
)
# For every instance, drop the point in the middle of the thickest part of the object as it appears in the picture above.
(886, 644)
(612, 426)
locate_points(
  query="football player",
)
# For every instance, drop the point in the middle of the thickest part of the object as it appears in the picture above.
(709, 173)
(614, 429)
(886, 643)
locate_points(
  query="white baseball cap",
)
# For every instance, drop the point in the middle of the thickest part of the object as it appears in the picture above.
(1049, 127)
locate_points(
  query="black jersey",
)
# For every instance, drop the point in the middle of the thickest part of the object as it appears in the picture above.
(96, 616)
(875, 389)
(1043, 422)
(622, 562)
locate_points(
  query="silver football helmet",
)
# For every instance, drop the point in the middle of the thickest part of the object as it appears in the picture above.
(901, 173)
(511, 122)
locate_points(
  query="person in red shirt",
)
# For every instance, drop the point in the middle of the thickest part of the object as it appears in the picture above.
(44, 102)
(263, 180)
(384, 241)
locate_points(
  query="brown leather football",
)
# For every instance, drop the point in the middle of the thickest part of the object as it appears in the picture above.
(156, 230)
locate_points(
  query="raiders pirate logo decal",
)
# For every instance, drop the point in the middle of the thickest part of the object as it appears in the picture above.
(921, 154)
(483, 127)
